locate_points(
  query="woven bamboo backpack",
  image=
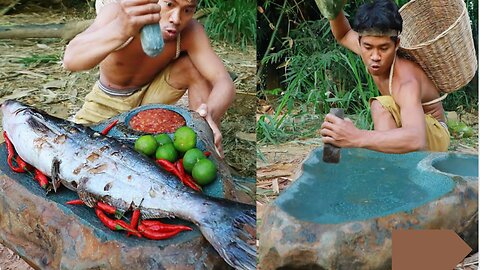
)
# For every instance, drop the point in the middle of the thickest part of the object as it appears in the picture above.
(437, 35)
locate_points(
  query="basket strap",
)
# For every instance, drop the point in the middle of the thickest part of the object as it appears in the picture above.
(435, 100)
(177, 52)
(391, 75)
(390, 86)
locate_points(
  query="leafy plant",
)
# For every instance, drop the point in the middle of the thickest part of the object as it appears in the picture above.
(231, 21)
(315, 73)
(36, 59)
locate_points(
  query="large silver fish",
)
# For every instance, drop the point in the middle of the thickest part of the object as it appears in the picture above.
(98, 167)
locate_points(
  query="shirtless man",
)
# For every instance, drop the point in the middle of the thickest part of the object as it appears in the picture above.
(409, 115)
(129, 78)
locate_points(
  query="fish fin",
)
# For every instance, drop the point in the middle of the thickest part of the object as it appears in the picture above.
(55, 174)
(232, 232)
(84, 195)
(147, 215)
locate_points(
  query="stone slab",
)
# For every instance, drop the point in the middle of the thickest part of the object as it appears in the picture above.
(289, 241)
(49, 234)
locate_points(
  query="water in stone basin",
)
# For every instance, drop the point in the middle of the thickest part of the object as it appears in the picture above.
(458, 165)
(365, 184)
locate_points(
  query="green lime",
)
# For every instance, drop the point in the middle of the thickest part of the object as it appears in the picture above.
(167, 152)
(453, 125)
(464, 130)
(184, 139)
(191, 157)
(163, 138)
(204, 171)
(146, 144)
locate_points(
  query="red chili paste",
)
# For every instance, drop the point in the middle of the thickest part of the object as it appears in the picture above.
(157, 121)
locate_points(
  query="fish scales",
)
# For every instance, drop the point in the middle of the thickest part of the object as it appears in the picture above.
(101, 168)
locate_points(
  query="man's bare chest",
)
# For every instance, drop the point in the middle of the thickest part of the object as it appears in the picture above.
(131, 66)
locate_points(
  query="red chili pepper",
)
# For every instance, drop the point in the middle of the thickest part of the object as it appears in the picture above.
(109, 209)
(149, 222)
(207, 153)
(168, 166)
(134, 220)
(15, 169)
(184, 177)
(128, 228)
(41, 178)
(173, 168)
(110, 223)
(75, 202)
(190, 183)
(109, 127)
(156, 235)
(180, 169)
(159, 226)
(24, 165)
(10, 154)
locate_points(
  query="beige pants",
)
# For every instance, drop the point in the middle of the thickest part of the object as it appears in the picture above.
(438, 137)
(99, 106)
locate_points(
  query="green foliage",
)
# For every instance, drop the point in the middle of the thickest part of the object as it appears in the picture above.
(287, 127)
(318, 74)
(36, 59)
(463, 100)
(231, 21)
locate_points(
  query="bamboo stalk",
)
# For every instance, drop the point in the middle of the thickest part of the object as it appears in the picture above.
(9, 7)
(270, 44)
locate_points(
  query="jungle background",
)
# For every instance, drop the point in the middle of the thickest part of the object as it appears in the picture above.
(31, 70)
(302, 72)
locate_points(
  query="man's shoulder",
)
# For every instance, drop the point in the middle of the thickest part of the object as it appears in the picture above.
(194, 36)
(193, 28)
(409, 71)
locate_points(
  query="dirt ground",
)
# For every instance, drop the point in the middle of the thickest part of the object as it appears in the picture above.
(31, 71)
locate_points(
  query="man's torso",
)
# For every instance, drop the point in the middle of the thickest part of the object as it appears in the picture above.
(129, 67)
(405, 70)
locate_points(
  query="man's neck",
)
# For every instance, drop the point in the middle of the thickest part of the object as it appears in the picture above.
(381, 81)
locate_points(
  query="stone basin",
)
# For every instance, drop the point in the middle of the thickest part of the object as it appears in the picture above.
(453, 164)
(341, 216)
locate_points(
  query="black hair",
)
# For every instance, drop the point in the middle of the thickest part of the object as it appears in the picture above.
(380, 15)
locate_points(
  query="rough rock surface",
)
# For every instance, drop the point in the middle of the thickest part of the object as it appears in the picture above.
(290, 243)
(48, 234)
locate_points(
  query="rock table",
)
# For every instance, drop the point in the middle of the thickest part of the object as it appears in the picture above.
(49, 234)
(342, 216)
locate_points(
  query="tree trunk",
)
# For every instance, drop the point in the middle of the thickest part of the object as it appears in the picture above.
(65, 31)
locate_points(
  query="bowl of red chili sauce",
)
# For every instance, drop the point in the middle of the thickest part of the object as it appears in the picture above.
(156, 120)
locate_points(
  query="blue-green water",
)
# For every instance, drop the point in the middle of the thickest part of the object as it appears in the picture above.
(365, 184)
(466, 165)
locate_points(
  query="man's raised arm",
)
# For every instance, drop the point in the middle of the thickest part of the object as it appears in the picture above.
(344, 34)
(114, 25)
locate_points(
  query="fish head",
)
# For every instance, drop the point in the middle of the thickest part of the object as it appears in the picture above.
(14, 114)
(10, 107)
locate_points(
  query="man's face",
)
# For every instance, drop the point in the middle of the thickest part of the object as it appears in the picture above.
(378, 53)
(175, 15)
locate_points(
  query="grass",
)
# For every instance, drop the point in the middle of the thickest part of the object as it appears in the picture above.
(231, 21)
(317, 74)
(317, 77)
(36, 59)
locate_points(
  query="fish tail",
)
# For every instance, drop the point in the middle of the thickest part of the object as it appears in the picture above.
(232, 232)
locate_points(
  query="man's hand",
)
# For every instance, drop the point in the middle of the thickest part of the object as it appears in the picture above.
(217, 135)
(339, 132)
(137, 13)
